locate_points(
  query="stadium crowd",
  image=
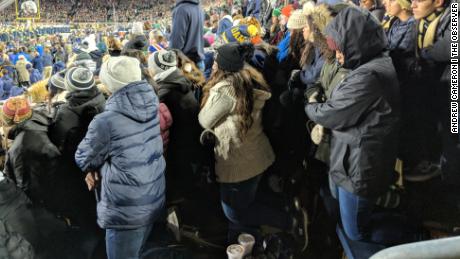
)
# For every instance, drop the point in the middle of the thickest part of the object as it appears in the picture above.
(258, 99)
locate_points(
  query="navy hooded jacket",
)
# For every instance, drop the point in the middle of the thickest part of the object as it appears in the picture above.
(124, 144)
(187, 29)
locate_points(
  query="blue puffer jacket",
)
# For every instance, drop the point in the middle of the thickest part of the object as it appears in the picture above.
(124, 144)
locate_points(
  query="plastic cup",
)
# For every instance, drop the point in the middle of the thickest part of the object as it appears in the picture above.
(247, 241)
(235, 252)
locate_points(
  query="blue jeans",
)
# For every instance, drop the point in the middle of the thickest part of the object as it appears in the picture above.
(361, 221)
(244, 213)
(126, 244)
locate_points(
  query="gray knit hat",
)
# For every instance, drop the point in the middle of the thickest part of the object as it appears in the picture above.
(58, 80)
(79, 79)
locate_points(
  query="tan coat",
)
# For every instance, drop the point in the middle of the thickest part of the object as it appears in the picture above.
(237, 159)
(23, 73)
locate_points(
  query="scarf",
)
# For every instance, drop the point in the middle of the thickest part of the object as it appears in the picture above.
(427, 29)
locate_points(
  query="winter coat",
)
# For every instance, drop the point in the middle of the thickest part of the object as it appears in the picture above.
(176, 91)
(32, 158)
(69, 127)
(310, 72)
(37, 63)
(9, 89)
(47, 60)
(35, 76)
(401, 45)
(23, 73)
(363, 110)
(124, 144)
(237, 159)
(224, 24)
(187, 29)
(255, 8)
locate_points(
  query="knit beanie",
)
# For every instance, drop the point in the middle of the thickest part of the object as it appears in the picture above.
(242, 33)
(162, 60)
(276, 12)
(287, 10)
(298, 20)
(118, 72)
(405, 4)
(57, 80)
(16, 110)
(231, 56)
(78, 79)
(138, 28)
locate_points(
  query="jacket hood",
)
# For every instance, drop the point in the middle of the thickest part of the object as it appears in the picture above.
(178, 2)
(80, 101)
(38, 122)
(174, 81)
(136, 101)
(358, 35)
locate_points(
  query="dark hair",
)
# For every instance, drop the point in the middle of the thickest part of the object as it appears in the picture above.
(296, 44)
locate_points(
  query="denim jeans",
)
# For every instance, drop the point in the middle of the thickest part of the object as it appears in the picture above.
(126, 244)
(244, 213)
(362, 222)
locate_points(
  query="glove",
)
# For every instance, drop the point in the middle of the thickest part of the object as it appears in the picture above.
(208, 138)
(317, 134)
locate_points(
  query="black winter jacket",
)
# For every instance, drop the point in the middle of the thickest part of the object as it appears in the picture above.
(363, 111)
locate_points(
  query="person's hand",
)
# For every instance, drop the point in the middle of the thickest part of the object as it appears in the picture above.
(317, 134)
(313, 98)
(92, 180)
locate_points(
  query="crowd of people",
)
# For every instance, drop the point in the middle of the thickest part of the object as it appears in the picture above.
(254, 96)
(61, 11)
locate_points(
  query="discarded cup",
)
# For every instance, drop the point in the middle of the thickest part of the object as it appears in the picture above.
(247, 241)
(235, 252)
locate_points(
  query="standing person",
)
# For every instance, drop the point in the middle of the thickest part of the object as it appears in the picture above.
(35, 75)
(232, 111)
(177, 92)
(47, 63)
(83, 102)
(23, 73)
(187, 30)
(363, 114)
(432, 77)
(37, 61)
(123, 153)
(31, 159)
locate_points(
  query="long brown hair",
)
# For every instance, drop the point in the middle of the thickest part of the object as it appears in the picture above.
(190, 70)
(243, 83)
(296, 44)
(319, 41)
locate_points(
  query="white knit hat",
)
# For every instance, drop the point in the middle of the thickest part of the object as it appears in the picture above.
(138, 28)
(298, 20)
(162, 60)
(118, 72)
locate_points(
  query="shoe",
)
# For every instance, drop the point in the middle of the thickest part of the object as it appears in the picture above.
(300, 229)
(424, 171)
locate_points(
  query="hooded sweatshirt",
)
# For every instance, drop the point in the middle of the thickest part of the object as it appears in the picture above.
(187, 29)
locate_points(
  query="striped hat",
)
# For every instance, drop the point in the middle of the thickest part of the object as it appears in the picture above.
(242, 33)
(78, 79)
(16, 110)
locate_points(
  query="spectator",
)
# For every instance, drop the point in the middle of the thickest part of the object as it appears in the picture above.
(231, 112)
(31, 159)
(375, 7)
(83, 102)
(131, 164)
(226, 22)
(187, 30)
(47, 63)
(35, 75)
(432, 77)
(364, 108)
(23, 73)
